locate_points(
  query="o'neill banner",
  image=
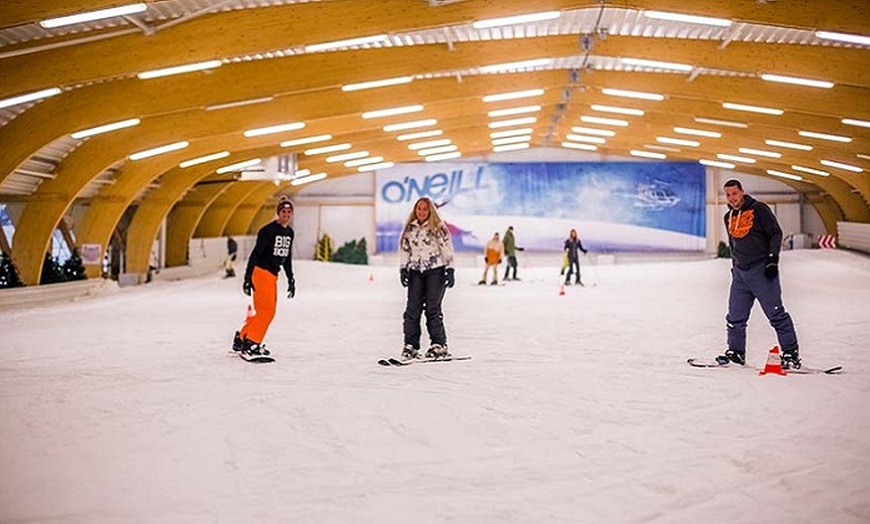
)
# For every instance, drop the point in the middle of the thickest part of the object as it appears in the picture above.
(614, 206)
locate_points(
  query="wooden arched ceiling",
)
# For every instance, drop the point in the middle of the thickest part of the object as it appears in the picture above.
(262, 55)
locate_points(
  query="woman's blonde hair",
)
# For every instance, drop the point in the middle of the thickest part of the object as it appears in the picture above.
(435, 222)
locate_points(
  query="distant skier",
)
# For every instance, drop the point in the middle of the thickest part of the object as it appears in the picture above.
(426, 269)
(510, 251)
(271, 253)
(493, 252)
(755, 239)
(572, 246)
(230, 262)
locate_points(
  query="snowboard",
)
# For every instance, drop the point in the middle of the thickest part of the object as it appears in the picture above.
(407, 362)
(804, 370)
(256, 359)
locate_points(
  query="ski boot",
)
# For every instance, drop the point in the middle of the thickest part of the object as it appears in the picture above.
(790, 359)
(409, 352)
(251, 349)
(732, 356)
(437, 351)
(238, 342)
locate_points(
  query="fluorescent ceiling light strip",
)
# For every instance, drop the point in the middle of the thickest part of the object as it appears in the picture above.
(346, 156)
(364, 161)
(797, 81)
(513, 95)
(865, 157)
(306, 140)
(410, 125)
(810, 170)
(632, 94)
(204, 159)
(177, 70)
(735, 158)
(840, 165)
(677, 141)
(518, 19)
(854, 122)
(513, 111)
(421, 134)
(90, 16)
(513, 122)
(619, 110)
(788, 145)
(656, 64)
(715, 163)
(604, 121)
(759, 152)
(445, 156)
(510, 147)
(302, 172)
(351, 42)
(511, 140)
(585, 147)
(436, 150)
(752, 109)
(717, 122)
(307, 179)
(647, 154)
(689, 19)
(378, 83)
(697, 132)
(237, 166)
(240, 103)
(586, 139)
(662, 148)
(523, 64)
(106, 128)
(429, 143)
(293, 126)
(593, 131)
(825, 136)
(511, 132)
(783, 174)
(175, 146)
(29, 97)
(843, 37)
(393, 111)
(374, 167)
(327, 149)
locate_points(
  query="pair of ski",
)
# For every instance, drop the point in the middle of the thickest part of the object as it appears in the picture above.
(398, 362)
(803, 370)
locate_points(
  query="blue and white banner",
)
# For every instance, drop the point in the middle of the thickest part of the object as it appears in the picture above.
(614, 206)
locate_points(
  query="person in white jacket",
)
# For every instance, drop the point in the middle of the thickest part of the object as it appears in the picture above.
(426, 269)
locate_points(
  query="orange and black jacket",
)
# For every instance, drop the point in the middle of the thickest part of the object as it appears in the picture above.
(753, 233)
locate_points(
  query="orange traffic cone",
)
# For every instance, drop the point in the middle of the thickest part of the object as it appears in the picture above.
(249, 313)
(774, 363)
(561, 290)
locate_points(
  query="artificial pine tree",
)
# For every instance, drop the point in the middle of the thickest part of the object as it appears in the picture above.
(52, 272)
(73, 268)
(8, 273)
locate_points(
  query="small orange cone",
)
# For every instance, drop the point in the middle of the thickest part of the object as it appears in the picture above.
(561, 291)
(249, 313)
(774, 363)
(371, 277)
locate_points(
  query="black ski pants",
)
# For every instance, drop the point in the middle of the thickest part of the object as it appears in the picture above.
(425, 292)
(512, 264)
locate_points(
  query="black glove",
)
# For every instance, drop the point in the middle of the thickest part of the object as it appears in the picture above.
(771, 269)
(291, 287)
(584, 251)
(449, 277)
(403, 276)
(247, 287)
(521, 249)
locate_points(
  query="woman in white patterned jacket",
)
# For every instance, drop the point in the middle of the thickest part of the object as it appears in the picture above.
(426, 269)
